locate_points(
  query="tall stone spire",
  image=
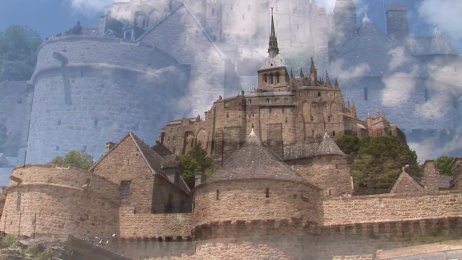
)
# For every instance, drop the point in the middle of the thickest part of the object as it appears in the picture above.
(313, 73)
(273, 49)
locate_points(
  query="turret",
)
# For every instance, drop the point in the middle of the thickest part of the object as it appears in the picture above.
(313, 73)
(345, 17)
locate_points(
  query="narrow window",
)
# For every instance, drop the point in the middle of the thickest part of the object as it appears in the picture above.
(227, 115)
(286, 120)
(319, 93)
(267, 101)
(333, 133)
(265, 78)
(426, 94)
(277, 78)
(218, 194)
(286, 100)
(267, 192)
(124, 190)
(271, 79)
(365, 94)
(59, 122)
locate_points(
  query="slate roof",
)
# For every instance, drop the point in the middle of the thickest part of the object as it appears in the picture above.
(305, 150)
(328, 146)
(254, 161)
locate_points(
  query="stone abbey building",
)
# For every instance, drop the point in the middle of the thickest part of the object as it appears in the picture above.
(287, 112)
(281, 190)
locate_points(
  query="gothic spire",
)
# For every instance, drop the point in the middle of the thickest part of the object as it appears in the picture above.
(328, 83)
(302, 75)
(313, 73)
(273, 49)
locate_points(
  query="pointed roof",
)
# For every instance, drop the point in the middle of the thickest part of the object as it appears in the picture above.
(254, 161)
(328, 146)
(406, 184)
(273, 49)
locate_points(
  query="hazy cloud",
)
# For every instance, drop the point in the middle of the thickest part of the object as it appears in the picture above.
(432, 148)
(444, 13)
(91, 6)
(398, 89)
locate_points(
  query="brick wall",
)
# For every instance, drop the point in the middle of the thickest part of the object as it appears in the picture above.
(144, 225)
(389, 208)
(246, 200)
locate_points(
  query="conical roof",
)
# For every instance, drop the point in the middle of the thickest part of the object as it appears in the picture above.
(328, 146)
(254, 161)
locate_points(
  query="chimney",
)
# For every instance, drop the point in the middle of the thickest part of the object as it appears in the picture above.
(198, 179)
(109, 146)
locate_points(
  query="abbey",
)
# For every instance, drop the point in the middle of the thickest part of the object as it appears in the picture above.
(281, 188)
(286, 111)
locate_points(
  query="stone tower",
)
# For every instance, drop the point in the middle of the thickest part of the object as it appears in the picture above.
(345, 17)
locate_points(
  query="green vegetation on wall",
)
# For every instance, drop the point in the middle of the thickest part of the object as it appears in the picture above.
(76, 159)
(18, 52)
(376, 162)
(443, 164)
(196, 160)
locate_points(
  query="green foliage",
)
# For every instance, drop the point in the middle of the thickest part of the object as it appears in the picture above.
(196, 160)
(443, 164)
(18, 46)
(8, 241)
(76, 159)
(376, 162)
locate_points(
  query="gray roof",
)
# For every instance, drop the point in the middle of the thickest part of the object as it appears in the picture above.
(328, 146)
(254, 161)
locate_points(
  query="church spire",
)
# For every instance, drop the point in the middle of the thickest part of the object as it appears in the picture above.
(273, 49)
(313, 73)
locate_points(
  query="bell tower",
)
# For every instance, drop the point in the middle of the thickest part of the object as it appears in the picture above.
(273, 75)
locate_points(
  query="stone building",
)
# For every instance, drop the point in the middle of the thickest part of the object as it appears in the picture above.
(294, 116)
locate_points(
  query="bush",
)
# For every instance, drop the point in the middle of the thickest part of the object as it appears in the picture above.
(76, 159)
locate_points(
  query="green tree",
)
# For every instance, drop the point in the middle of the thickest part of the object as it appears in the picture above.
(18, 47)
(443, 164)
(378, 163)
(196, 160)
(76, 159)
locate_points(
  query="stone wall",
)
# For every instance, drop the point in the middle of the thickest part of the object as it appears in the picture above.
(331, 173)
(389, 208)
(126, 163)
(144, 225)
(249, 200)
(90, 90)
(45, 200)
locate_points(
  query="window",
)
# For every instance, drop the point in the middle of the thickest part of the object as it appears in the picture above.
(267, 192)
(218, 194)
(319, 93)
(277, 78)
(249, 101)
(333, 133)
(226, 104)
(265, 78)
(271, 79)
(124, 190)
(227, 115)
(365, 94)
(277, 100)
(267, 101)
(286, 100)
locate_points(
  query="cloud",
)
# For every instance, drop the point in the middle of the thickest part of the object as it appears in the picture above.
(445, 14)
(434, 147)
(345, 73)
(91, 6)
(398, 89)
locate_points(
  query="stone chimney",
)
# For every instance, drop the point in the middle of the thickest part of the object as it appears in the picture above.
(109, 146)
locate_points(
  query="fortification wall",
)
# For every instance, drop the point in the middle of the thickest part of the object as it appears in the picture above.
(248, 200)
(331, 173)
(157, 226)
(54, 201)
(103, 90)
(390, 208)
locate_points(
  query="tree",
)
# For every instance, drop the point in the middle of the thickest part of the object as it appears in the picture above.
(76, 159)
(376, 162)
(443, 164)
(196, 160)
(18, 47)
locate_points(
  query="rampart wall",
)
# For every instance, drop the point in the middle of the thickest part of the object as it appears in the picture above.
(390, 208)
(46, 200)
(158, 226)
(91, 90)
(249, 200)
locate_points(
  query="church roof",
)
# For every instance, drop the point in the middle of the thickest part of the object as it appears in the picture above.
(273, 62)
(254, 161)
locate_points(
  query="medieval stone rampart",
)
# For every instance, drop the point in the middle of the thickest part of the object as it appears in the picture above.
(158, 226)
(390, 208)
(89, 90)
(48, 200)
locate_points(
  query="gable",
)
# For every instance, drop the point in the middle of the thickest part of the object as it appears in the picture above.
(406, 185)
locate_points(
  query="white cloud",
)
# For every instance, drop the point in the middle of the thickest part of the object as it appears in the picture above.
(92, 6)
(398, 89)
(444, 13)
(432, 148)
(346, 73)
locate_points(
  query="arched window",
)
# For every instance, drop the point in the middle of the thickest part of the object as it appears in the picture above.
(267, 194)
(218, 194)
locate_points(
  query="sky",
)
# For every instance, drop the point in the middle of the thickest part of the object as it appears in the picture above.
(50, 17)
